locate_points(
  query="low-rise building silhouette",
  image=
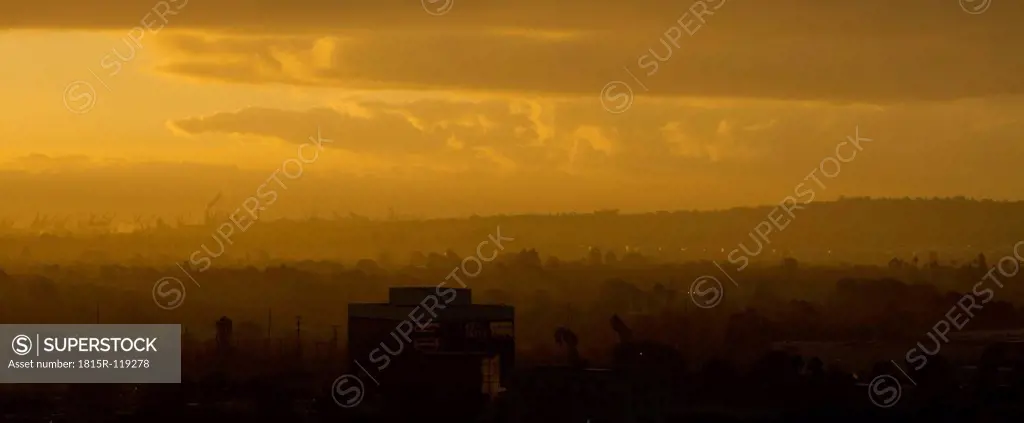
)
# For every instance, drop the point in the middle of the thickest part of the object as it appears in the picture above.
(430, 343)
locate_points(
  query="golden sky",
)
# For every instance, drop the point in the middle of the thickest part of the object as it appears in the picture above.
(446, 107)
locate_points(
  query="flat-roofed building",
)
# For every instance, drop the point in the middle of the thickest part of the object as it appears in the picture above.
(429, 343)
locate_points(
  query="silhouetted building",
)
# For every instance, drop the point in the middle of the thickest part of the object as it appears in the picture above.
(224, 333)
(428, 344)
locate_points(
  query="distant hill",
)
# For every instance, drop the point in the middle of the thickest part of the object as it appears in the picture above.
(855, 229)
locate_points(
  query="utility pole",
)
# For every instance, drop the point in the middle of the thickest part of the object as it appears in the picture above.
(298, 334)
(268, 342)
